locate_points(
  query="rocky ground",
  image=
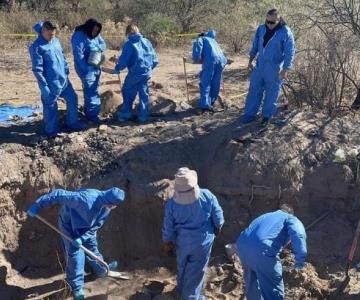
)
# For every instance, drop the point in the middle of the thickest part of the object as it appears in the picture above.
(250, 170)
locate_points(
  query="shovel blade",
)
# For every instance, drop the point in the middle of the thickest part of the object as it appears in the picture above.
(118, 275)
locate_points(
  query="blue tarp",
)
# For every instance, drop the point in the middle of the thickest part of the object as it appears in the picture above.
(11, 113)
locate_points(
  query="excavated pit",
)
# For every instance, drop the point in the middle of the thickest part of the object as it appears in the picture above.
(291, 164)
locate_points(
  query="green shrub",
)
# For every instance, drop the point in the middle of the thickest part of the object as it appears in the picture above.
(159, 28)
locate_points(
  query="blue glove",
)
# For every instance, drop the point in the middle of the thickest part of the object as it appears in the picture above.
(77, 243)
(33, 210)
(299, 266)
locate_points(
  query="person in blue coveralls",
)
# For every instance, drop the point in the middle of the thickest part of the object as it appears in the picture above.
(51, 70)
(207, 51)
(87, 45)
(140, 58)
(193, 217)
(274, 49)
(83, 213)
(259, 247)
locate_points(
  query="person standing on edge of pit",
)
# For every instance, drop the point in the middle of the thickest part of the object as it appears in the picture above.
(193, 217)
(51, 70)
(207, 51)
(259, 247)
(83, 213)
(139, 56)
(88, 47)
(274, 50)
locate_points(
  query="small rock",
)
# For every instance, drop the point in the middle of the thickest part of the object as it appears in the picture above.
(343, 138)
(79, 139)
(311, 159)
(185, 106)
(219, 270)
(45, 143)
(103, 128)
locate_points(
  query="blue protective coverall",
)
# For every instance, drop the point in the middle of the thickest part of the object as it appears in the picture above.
(191, 227)
(207, 50)
(51, 70)
(278, 54)
(82, 45)
(259, 247)
(81, 215)
(139, 56)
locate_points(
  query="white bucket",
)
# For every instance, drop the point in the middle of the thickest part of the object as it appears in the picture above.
(95, 58)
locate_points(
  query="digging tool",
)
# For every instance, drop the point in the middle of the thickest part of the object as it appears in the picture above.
(223, 86)
(110, 273)
(186, 83)
(109, 82)
(238, 96)
(346, 281)
(313, 223)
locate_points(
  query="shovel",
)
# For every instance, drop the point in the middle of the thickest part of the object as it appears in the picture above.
(112, 274)
(186, 82)
(345, 283)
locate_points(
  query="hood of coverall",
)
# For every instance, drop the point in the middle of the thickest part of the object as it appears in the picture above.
(38, 26)
(211, 33)
(113, 196)
(88, 27)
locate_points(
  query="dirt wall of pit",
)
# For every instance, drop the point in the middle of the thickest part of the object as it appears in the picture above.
(290, 164)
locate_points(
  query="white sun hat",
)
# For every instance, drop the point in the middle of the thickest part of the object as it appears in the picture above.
(187, 189)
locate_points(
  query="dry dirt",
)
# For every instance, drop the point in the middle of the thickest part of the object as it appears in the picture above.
(250, 176)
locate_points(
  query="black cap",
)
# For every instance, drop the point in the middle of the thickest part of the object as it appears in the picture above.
(50, 25)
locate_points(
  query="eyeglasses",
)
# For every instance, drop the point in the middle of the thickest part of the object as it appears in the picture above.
(270, 22)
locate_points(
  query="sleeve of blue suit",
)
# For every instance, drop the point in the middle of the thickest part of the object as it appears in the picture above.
(168, 232)
(124, 58)
(217, 215)
(255, 45)
(37, 66)
(289, 51)
(60, 197)
(197, 50)
(102, 43)
(297, 235)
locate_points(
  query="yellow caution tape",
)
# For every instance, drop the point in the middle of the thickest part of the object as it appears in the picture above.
(35, 35)
(19, 34)
(187, 34)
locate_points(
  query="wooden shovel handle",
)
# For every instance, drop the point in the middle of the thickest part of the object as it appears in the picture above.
(87, 251)
(354, 242)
